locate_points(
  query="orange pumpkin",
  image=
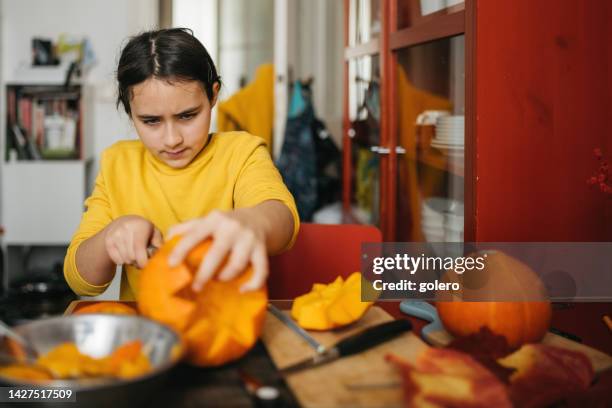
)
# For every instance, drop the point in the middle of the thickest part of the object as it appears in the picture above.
(106, 307)
(523, 318)
(218, 324)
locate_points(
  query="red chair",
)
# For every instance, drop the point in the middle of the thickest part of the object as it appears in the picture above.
(320, 253)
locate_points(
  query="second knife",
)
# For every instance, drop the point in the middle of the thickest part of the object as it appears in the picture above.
(354, 344)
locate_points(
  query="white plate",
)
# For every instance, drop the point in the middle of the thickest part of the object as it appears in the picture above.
(448, 143)
(448, 139)
(448, 146)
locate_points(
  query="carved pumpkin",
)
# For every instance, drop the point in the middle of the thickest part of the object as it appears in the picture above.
(523, 318)
(331, 306)
(218, 324)
(106, 307)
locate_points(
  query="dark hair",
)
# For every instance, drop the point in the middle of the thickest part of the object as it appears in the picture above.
(171, 54)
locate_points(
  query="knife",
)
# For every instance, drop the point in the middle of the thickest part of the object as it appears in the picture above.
(354, 344)
(288, 321)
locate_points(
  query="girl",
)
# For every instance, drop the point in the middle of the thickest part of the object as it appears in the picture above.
(178, 178)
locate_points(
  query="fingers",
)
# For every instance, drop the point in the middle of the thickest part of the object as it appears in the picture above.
(140, 244)
(157, 240)
(211, 262)
(232, 237)
(196, 232)
(142, 257)
(121, 245)
(239, 258)
(182, 228)
(126, 240)
(259, 259)
(113, 253)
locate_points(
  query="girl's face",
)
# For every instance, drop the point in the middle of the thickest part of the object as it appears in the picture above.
(172, 119)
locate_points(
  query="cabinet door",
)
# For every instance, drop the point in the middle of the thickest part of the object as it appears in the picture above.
(364, 134)
(364, 21)
(429, 95)
(42, 201)
(411, 13)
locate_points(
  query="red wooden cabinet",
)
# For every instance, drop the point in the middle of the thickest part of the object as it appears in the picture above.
(532, 82)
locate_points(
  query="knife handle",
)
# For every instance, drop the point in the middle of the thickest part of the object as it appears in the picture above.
(372, 337)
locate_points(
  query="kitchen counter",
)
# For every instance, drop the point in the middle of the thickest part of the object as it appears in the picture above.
(199, 387)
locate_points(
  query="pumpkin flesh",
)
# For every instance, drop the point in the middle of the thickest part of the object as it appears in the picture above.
(331, 306)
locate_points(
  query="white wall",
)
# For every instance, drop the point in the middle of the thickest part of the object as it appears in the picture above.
(246, 30)
(107, 24)
(311, 42)
(319, 53)
(201, 16)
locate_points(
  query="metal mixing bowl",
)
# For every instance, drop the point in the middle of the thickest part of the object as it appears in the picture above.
(97, 335)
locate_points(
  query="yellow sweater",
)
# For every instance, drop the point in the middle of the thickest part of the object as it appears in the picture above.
(234, 170)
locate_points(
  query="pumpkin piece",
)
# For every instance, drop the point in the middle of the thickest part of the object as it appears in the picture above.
(219, 323)
(347, 307)
(25, 372)
(129, 351)
(331, 291)
(546, 374)
(300, 301)
(106, 307)
(134, 368)
(313, 315)
(522, 321)
(448, 378)
(65, 361)
(15, 349)
(128, 360)
(331, 306)
(318, 287)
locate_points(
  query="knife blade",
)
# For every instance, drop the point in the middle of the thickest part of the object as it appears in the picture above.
(288, 321)
(354, 344)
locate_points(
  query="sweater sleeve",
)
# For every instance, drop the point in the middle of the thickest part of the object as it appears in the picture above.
(259, 180)
(95, 218)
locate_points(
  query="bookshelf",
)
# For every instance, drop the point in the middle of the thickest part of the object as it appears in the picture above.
(43, 122)
(44, 163)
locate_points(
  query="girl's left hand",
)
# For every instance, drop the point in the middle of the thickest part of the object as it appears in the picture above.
(234, 235)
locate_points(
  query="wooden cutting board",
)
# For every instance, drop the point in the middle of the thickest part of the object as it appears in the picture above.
(362, 380)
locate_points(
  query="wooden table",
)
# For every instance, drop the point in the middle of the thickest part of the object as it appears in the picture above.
(198, 387)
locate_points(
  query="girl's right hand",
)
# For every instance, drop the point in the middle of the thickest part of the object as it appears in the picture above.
(126, 240)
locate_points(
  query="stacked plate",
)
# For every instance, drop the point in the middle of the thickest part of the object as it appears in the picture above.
(432, 221)
(442, 220)
(450, 133)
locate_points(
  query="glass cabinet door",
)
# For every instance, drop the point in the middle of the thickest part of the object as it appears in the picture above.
(364, 21)
(413, 12)
(364, 131)
(430, 98)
